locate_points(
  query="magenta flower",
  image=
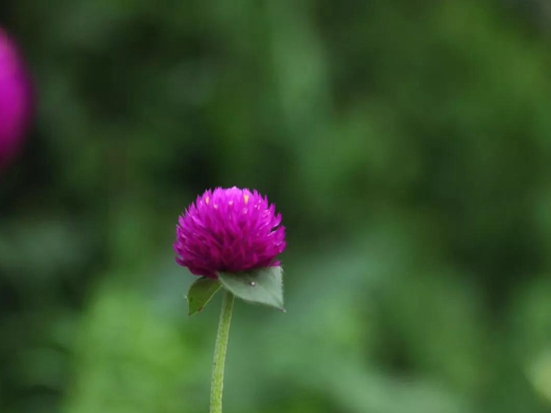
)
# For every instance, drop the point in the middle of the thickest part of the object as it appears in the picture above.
(229, 230)
(15, 98)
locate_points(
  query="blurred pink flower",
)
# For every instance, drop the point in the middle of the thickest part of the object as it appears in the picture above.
(15, 98)
(229, 230)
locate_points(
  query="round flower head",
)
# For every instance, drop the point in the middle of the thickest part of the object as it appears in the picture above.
(229, 230)
(15, 98)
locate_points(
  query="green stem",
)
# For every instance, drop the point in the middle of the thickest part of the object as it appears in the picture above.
(217, 382)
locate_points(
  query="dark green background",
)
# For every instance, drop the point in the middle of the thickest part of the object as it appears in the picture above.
(407, 144)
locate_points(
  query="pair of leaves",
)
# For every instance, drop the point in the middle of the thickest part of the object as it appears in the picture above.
(263, 286)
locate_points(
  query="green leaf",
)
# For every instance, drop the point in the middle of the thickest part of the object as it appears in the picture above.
(200, 293)
(264, 286)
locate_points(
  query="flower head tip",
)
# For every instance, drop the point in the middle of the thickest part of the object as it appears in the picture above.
(229, 230)
(15, 98)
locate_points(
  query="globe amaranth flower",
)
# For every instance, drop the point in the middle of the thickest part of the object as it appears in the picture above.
(15, 98)
(229, 230)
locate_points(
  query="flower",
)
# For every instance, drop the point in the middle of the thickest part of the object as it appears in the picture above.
(15, 98)
(229, 230)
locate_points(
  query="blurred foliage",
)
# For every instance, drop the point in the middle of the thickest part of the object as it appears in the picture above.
(407, 144)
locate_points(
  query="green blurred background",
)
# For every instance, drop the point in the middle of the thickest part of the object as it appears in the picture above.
(407, 144)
